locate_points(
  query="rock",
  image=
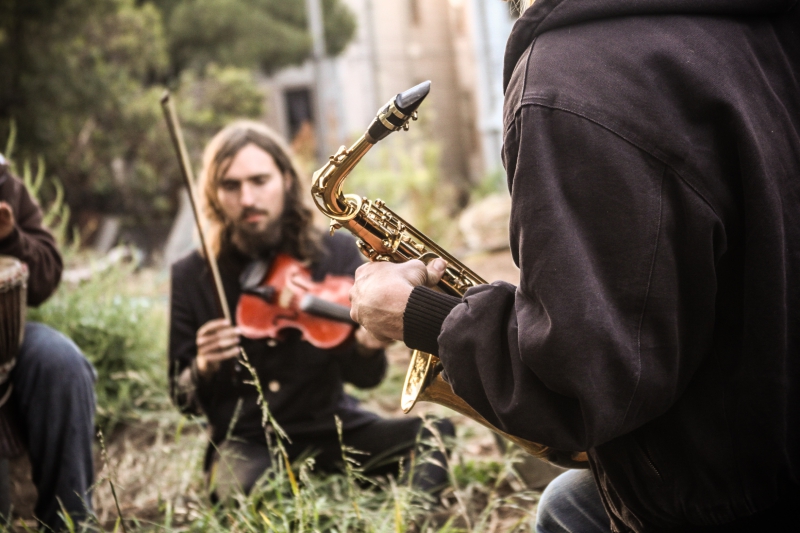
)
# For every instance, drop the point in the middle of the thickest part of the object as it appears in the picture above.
(484, 224)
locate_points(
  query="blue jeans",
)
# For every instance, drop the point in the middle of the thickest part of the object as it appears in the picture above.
(54, 403)
(571, 504)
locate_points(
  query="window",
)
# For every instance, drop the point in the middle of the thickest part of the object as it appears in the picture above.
(298, 109)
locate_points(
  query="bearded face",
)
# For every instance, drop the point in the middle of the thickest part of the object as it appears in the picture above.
(252, 195)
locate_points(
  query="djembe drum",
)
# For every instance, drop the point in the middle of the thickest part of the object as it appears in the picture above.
(13, 296)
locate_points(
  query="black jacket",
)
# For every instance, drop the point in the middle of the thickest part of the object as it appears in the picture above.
(653, 157)
(310, 380)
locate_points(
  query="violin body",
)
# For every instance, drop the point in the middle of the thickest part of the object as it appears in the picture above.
(288, 282)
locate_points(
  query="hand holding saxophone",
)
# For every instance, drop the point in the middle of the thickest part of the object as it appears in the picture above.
(381, 290)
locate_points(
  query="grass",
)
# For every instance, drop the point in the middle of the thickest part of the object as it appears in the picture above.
(122, 331)
(154, 456)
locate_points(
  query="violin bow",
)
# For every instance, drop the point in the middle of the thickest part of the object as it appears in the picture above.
(188, 177)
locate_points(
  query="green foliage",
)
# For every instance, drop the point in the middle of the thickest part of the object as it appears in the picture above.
(209, 102)
(122, 333)
(294, 498)
(407, 176)
(81, 82)
(56, 215)
(481, 472)
(82, 79)
(492, 183)
(120, 329)
(265, 34)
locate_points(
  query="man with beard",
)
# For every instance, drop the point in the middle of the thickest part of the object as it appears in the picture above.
(252, 201)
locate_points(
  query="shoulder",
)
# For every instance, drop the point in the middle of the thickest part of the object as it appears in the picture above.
(634, 75)
(192, 264)
(9, 183)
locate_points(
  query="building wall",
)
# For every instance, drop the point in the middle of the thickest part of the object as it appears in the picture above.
(457, 44)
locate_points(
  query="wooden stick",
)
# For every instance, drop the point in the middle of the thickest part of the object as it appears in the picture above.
(188, 177)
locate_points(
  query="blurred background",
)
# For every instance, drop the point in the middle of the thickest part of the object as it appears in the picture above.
(80, 82)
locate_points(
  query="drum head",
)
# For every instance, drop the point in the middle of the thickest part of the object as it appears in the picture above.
(13, 273)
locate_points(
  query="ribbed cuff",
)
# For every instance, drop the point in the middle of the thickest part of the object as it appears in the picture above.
(422, 321)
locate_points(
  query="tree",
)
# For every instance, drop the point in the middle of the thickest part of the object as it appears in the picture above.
(82, 80)
(267, 34)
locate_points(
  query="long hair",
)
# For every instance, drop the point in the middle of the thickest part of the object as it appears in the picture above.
(299, 236)
(522, 5)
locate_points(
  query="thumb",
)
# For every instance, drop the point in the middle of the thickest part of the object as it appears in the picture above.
(435, 271)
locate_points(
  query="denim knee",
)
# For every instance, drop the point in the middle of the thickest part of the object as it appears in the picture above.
(571, 504)
(52, 356)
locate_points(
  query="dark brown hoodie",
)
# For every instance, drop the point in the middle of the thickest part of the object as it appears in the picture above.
(652, 150)
(30, 242)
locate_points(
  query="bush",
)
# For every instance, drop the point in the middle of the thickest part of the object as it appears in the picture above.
(115, 319)
(123, 333)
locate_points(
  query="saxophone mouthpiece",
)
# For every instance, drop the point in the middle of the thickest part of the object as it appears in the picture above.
(397, 112)
(408, 101)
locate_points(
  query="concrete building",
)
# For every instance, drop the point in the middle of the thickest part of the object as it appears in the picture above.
(457, 44)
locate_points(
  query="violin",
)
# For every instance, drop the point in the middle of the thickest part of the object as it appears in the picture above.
(288, 298)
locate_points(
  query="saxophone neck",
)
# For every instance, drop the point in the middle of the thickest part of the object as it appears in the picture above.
(327, 181)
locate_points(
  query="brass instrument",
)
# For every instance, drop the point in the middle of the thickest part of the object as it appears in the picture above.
(384, 236)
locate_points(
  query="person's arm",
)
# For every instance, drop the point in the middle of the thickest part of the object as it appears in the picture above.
(25, 238)
(615, 307)
(194, 345)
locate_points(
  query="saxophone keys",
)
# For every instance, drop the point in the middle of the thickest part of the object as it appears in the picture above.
(339, 156)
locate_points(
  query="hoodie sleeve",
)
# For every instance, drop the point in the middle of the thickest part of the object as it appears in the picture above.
(615, 306)
(31, 243)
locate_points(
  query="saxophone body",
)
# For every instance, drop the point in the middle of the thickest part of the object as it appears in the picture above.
(382, 235)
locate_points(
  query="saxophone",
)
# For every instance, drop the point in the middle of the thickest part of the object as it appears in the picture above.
(384, 236)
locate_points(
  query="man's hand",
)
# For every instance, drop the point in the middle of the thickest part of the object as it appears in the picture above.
(217, 340)
(367, 343)
(381, 290)
(6, 220)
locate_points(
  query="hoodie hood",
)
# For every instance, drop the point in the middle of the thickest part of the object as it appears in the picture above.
(547, 15)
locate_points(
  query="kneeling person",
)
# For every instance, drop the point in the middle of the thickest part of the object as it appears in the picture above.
(253, 204)
(53, 383)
